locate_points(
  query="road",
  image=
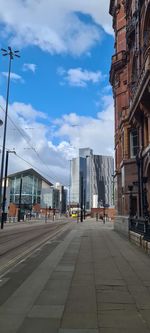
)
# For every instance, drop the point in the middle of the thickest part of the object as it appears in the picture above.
(18, 241)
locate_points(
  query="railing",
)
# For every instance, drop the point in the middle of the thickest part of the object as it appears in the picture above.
(140, 226)
(120, 56)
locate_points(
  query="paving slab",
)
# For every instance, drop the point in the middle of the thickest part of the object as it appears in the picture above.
(61, 330)
(39, 325)
(46, 311)
(123, 330)
(52, 297)
(113, 296)
(92, 282)
(79, 320)
(58, 284)
(65, 268)
(121, 319)
(10, 323)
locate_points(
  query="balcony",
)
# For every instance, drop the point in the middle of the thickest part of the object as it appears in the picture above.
(119, 60)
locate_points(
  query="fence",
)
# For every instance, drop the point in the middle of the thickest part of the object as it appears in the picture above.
(140, 226)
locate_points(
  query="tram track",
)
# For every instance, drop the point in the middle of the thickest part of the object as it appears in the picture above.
(21, 237)
(16, 254)
(9, 235)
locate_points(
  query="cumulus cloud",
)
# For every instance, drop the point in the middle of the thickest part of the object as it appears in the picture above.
(36, 140)
(14, 77)
(79, 77)
(55, 26)
(29, 136)
(29, 67)
(94, 132)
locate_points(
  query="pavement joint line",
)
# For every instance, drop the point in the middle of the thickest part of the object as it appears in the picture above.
(23, 256)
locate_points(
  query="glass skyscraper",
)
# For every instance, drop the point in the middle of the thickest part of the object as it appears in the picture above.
(92, 174)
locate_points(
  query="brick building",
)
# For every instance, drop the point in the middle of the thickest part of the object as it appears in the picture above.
(130, 79)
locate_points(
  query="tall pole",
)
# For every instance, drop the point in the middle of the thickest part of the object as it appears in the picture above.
(11, 55)
(20, 193)
(3, 219)
(81, 196)
(84, 203)
(4, 192)
(69, 185)
(4, 136)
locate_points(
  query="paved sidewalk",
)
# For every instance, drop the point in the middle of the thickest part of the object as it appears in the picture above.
(94, 281)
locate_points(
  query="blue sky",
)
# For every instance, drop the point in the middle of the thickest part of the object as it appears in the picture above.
(60, 97)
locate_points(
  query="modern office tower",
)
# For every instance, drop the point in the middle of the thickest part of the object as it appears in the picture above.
(78, 177)
(91, 179)
(87, 154)
(62, 197)
(103, 169)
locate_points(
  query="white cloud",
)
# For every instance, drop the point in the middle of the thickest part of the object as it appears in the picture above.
(32, 137)
(94, 132)
(13, 76)
(55, 26)
(79, 77)
(29, 67)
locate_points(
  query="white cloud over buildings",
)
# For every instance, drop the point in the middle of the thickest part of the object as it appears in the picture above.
(71, 131)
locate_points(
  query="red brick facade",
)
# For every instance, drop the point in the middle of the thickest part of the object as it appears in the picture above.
(130, 79)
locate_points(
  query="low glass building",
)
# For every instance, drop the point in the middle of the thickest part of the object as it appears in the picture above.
(29, 188)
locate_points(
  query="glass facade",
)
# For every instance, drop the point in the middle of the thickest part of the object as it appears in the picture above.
(30, 191)
(103, 170)
(96, 171)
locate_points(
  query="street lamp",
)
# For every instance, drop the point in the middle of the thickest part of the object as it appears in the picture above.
(69, 184)
(3, 219)
(81, 196)
(11, 55)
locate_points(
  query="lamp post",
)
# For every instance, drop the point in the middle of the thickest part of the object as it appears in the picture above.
(11, 55)
(69, 185)
(4, 191)
(20, 198)
(81, 196)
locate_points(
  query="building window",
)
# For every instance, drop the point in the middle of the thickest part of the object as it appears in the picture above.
(133, 142)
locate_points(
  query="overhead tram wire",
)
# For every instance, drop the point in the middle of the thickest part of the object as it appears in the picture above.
(19, 130)
(21, 158)
(28, 142)
(33, 166)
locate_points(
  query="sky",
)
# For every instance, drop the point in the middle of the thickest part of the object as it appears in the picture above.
(60, 97)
